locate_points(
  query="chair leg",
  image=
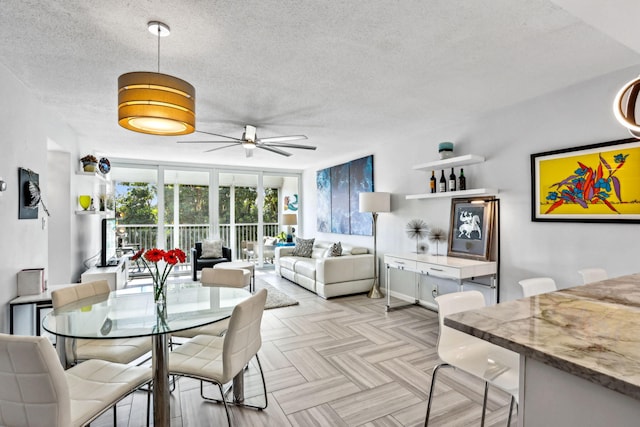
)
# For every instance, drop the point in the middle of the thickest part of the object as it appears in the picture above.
(513, 400)
(226, 407)
(484, 403)
(431, 389)
(223, 393)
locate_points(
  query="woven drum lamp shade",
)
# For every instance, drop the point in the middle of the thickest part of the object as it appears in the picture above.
(155, 103)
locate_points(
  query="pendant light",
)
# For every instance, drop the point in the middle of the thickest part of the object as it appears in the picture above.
(626, 114)
(155, 103)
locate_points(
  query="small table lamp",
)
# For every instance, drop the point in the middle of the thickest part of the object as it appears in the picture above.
(375, 202)
(289, 220)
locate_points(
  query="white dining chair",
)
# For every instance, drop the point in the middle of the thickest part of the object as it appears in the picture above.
(590, 275)
(492, 364)
(220, 359)
(36, 391)
(118, 350)
(537, 285)
(233, 278)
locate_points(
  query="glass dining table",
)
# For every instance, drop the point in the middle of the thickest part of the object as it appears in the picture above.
(132, 312)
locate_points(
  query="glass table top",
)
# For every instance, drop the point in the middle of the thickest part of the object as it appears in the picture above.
(133, 313)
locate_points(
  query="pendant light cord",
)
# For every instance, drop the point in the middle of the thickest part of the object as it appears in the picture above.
(158, 49)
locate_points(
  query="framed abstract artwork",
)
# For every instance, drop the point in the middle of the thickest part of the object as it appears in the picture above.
(591, 183)
(471, 228)
(338, 194)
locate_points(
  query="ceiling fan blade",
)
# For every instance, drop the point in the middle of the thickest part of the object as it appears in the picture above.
(283, 138)
(273, 150)
(285, 145)
(217, 134)
(220, 148)
(209, 142)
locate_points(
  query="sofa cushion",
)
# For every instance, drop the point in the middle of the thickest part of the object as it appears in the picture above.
(211, 249)
(304, 247)
(288, 262)
(359, 251)
(306, 268)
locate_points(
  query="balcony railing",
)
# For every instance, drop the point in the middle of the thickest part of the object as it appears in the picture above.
(186, 235)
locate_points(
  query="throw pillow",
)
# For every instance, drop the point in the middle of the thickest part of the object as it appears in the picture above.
(335, 249)
(211, 249)
(303, 248)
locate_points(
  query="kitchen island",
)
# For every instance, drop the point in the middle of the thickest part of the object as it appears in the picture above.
(579, 352)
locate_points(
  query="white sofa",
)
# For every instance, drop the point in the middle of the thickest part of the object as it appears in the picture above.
(350, 273)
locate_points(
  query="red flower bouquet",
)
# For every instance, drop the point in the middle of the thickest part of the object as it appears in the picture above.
(159, 274)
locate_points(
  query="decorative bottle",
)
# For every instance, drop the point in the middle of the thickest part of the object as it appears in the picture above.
(443, 183)
(462, 181)
(432, 182)
(452, 181)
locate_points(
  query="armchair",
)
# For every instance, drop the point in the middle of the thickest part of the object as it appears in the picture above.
(198, 263)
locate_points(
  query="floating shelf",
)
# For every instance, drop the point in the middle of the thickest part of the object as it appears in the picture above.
(96, 174)
(101, 213)
(463, 193)
(451, 162)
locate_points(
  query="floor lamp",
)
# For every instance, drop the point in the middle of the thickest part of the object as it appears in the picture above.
(375, 202)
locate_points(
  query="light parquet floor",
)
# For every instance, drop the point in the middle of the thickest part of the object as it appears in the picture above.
(341, 362)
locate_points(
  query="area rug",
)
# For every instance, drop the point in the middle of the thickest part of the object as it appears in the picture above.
(275, 297)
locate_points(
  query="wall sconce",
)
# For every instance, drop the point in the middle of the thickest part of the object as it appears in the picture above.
(3, 185)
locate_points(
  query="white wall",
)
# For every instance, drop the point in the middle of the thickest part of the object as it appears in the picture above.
(578, 115)
(27, 126)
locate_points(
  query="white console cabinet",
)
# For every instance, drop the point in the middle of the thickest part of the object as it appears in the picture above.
(117, 276)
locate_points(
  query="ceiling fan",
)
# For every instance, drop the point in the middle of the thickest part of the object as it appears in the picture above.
(250, 141)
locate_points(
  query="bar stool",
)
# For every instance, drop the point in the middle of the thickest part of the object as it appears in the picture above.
(488, 362)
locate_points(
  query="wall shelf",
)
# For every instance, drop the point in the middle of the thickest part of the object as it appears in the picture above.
(96, 174)
(451, 162)
(463, 193)
(109, 214)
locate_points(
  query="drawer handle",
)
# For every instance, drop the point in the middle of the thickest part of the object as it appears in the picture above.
(435, 269)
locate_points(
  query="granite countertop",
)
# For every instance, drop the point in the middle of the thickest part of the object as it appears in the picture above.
(591, 331)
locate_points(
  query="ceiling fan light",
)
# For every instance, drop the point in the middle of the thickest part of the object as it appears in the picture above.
(624, 106)
(249, 145)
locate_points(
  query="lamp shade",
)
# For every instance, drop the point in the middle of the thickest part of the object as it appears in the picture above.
(375, 202)
(289, 219)
(156, 103)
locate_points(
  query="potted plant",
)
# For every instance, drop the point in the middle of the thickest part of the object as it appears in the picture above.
(89, 163)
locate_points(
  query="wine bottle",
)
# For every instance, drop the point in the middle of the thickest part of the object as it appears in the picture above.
(443, 183)
(462, 181)
(432, 182)
(452, 181)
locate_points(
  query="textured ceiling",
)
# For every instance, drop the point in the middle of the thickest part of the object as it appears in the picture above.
(345, 73)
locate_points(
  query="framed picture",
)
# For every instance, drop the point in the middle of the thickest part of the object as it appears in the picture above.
(590, 183)
(471, 228)
(28, 181)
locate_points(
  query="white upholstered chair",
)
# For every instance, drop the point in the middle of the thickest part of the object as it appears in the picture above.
(492, 364)
(537, 285)
(590, 275)
(119, 350)
(36, 391)
(220, 359)
(233, 278)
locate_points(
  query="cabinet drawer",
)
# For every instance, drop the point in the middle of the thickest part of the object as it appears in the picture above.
(439, 270)
(400, 263)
